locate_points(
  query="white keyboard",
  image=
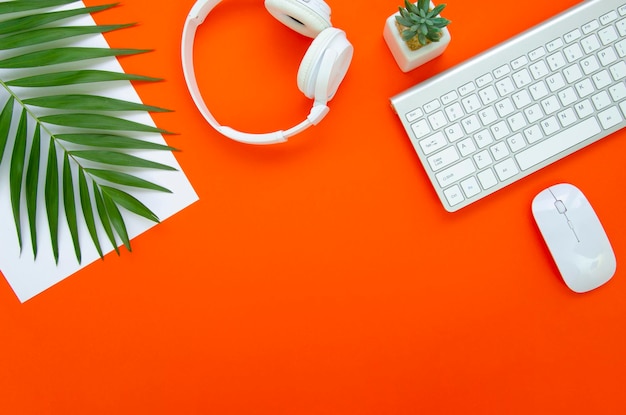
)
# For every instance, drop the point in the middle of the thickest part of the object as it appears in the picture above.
(521, 105)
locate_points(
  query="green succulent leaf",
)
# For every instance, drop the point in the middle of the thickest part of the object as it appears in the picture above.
(63, 150)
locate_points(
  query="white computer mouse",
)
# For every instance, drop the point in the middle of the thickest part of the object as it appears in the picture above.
(575, 237)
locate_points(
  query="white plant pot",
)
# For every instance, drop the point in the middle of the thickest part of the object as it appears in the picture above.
(406, 58)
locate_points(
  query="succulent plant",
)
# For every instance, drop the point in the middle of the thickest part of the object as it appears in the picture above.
(419, 23)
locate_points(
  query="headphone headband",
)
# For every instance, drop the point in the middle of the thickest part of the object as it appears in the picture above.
(195, 18)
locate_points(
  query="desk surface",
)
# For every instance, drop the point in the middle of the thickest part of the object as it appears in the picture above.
(322, 276)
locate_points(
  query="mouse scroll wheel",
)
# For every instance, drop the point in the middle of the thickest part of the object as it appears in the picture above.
(560, 206)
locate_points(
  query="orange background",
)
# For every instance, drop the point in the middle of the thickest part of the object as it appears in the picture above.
(322, 276)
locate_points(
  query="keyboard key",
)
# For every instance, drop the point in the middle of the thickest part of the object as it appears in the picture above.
(420, 129)
(567, 117)
(558, 143)
(590, 26)
(455, 173)
(449, 98)
(539, 90)
(483, 159)
(607, 56)
(590, 44)
(433, 143)
(505, 107)
(608, 35)
(554, 44)
(584, 108)
(601, 79)
(414, 115)
(454, 195)
(432, 106)
(533, 134)
(574, 52)
(470, 187)
(572, 73)
(519, 62)
(550, 125)
(610, 118)
(487, 179)
(501, 71)
(443, 158)
(533, 113)
(470, 124)
(618, 71)
(608, 18)
(572, 36)
(521, 99)
(590, 65)
(500, 130)
(555, 82)
(550, 105)
(468, 88)
(539, 69)
(437, 120)
(537, 53)
(454, 132)
(506, 169)
(516, 143)
(483, 138)
(454, 111)
(488, 115)
(618, 92)
(484, 80)
(466, 147)
(601, 100)
(471, 103)
(499, 151)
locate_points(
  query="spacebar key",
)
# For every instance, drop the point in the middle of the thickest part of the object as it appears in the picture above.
(558, 143)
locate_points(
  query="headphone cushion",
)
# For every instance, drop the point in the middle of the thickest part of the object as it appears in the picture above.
(312, 78)
(300, 17)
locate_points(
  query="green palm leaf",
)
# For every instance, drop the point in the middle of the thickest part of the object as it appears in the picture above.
(63, 55)
(37, 20)
(99, 122)
(35, 37)
(111, 141)
(85, 76)
(89, 103)
(21, 6)
(60, 148)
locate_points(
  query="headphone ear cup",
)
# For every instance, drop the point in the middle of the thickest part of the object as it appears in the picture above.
(325, 64)
(308, 19)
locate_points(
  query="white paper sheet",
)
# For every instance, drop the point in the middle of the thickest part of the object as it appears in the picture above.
(28, 276)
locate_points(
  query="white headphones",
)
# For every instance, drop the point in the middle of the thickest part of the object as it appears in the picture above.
(321, 71)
